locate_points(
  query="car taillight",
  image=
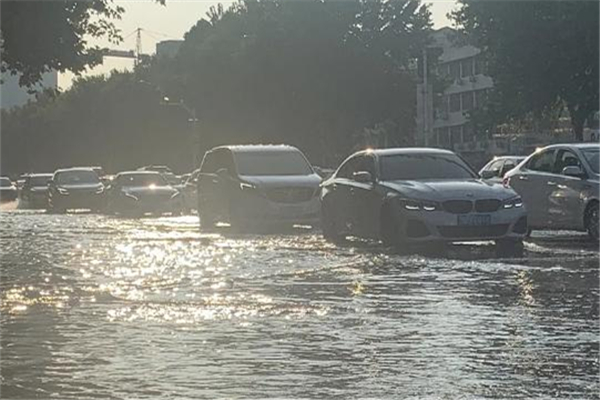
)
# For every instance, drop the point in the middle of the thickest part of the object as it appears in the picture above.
(506, 181)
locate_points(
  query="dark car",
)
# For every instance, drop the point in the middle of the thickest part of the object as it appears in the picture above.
(34, 193)
(412, 195)
(8, 191)
(142, 192)
(256, 186)
(75, 188)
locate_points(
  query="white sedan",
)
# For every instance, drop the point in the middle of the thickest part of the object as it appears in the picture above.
(559, 185)
(413, 195)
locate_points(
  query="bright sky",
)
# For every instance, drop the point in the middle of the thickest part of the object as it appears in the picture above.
(174, 19)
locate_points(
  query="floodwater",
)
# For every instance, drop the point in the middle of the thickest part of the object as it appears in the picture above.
(103, 307)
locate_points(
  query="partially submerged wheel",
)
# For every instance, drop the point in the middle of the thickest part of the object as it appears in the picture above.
(390, 231)
(329, 226)
(509, 248)
(591, 220)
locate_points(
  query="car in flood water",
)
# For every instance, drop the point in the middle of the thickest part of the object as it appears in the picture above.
(75, 189)
(257, 185)
(407, 196)
(142, 192)
(34, 193)
(560, 185)
(8, 191)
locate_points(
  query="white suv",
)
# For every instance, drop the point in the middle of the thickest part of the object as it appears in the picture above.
(559, 185)
(257, 185)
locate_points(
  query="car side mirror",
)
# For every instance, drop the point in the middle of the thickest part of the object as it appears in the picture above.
(488, 173)
(223, 173)
(363, 177)
(574, 171)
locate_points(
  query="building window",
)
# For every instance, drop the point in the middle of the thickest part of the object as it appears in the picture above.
(480, 67)
(480, 98)
(456, 134)
(467, 101)
(467, 67)
(455, 102)
(454, 69)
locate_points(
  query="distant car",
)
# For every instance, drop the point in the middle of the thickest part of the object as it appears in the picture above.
(75, 188)
(496, 169)
(142, 192)
(257, 185)
(419, 195)
(8, 191)
(156, 168)
(559, 185)
(34, 193)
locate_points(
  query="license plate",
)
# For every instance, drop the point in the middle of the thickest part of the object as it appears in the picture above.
(474, 220)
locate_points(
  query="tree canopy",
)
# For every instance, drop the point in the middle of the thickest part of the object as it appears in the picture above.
(315, 74)
(41, 35)
(541, 54)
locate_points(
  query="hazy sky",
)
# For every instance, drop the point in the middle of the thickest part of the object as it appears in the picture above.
(177, 17)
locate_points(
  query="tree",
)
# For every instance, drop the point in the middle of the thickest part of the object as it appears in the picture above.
(43, 35)
(541, 54)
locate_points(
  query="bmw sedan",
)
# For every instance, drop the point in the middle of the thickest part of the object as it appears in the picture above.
(414, 195)
(256, 186)
(142, 192)
(560, 186)
(75, 188)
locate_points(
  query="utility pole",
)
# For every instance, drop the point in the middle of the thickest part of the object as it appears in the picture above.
(138, 46)
(425, 99)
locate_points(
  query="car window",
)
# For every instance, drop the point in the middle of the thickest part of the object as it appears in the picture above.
(76, 177)
(495, 166)
(5, 182)
(209, 163)
(424, 167)
(271, 162)
(543, 161)
(139, 180)
(566, 158)
(349, 168)
(592, 155)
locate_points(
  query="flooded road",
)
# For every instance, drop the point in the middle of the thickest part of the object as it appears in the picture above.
(102, 307)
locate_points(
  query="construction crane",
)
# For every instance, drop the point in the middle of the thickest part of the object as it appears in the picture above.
(136, 54)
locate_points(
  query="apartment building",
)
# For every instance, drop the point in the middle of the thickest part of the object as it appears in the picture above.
(442, 120)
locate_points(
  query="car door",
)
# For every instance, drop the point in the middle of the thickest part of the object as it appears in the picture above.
(531, 182)
(365, 200)
(565, 203)
(208, 184)
(339, 199)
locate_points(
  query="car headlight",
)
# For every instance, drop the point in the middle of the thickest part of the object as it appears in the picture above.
(515, 202)
(418, 205)
(62, 191)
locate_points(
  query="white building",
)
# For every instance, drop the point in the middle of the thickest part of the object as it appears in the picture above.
(442, 121)
(13, 95)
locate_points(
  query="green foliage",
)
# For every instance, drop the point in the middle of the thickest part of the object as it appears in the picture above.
(42, 35)
(315, 74)
(541, 54)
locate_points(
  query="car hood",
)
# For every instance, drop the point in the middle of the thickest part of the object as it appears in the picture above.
(82, 186)
(146, 191)
(450, 190)
(312, 180)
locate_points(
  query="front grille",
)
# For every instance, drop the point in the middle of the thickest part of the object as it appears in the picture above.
(290, 194)
(487, 205)
(469, 232)
(458, 206)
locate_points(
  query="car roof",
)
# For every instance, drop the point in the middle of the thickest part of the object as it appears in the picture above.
(580, 146)
(87, 169)
(405, 151)
(139, 173)
(241, 148)
(39, 175)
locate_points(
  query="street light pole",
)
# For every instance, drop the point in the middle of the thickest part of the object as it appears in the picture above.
(191, 118)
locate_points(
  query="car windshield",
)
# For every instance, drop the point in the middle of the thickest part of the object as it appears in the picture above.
(592, 157)
(77, 177)
(39, 180)
(272, 163)
(138, 180)
(424, 167)
(171, 178)
(5, 182)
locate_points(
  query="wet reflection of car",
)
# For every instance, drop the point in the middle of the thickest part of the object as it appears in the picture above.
(560, 185)
(142, 192)
(257, 185)
(34, 193)
(8, 191)
(404, 196)
(75, 188)
(495, 169)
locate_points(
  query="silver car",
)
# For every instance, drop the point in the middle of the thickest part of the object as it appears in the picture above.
(412, 195)
(495, 170)
(257, 185)
(559, 185)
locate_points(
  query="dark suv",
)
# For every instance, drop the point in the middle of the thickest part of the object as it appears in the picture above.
(75, 188)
